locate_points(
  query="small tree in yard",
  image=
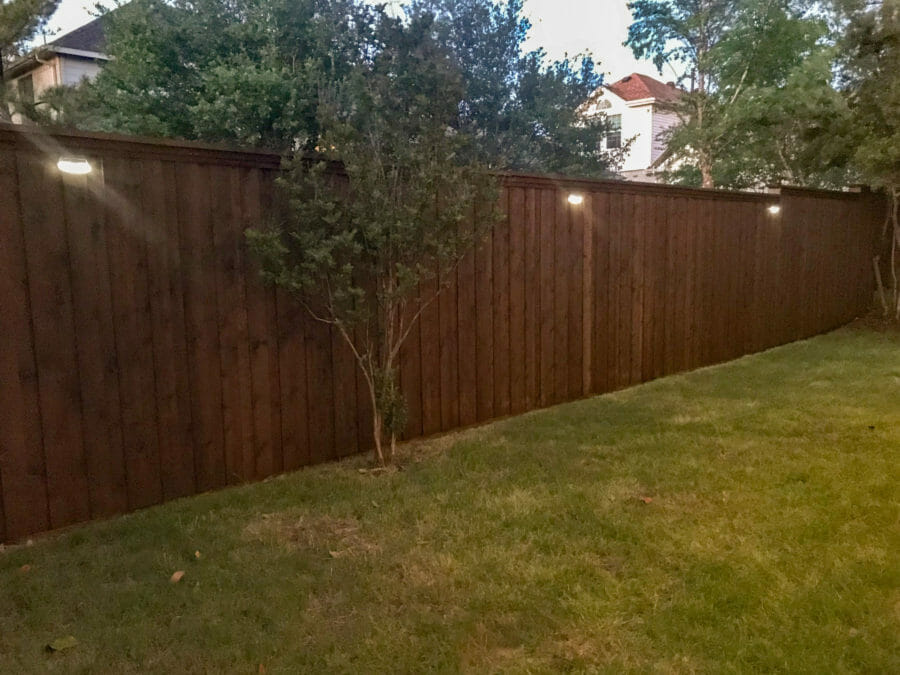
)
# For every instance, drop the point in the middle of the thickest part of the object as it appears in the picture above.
(383, 213)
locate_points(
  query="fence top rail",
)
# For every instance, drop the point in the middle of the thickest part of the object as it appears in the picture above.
(772, 195)
(516, 179)
(57, 142)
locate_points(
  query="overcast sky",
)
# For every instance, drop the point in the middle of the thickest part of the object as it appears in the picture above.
(559, 26)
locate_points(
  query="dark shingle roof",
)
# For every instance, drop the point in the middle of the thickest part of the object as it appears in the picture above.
(89, 38)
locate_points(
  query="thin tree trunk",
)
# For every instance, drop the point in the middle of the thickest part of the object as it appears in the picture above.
(377, 435)
(706, 172)
(876, 262)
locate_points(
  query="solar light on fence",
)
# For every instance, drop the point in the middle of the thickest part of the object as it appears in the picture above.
(74, 165)
(773, 209)
(574, 198)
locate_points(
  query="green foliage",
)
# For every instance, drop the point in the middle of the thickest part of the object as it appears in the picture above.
(763, 108)
(871, 73)
(20, 20)
(522, 109)
(245, 72)
(384, 209)
(251, 73)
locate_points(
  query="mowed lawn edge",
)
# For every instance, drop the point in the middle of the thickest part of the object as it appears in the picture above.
(739, 518)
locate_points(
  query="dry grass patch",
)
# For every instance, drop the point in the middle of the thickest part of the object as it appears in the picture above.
(337, 537)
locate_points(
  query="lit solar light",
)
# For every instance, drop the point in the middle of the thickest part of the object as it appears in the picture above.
(575, 199)
(774, 209)
(74, 165)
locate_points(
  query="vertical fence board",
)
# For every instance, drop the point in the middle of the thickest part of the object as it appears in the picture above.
(411, 375)
(22, 466)
(627, 261)
(346, 436)
(201, 317)
(574, 265)
(225, 239)
(672, 281)
(532, 290)
(292, 385)
(600, 371)
(613, 284)
(484, 327)
(430, 331)
(639, 225)
(47, 260)
(260, 459)
(587, 296)
(501, 331)
(153, 203)
(179, 473)
(703, 218)
(561, 241)
(547, 246)
(320, 393)
(97, 357)
(449, 355)
(655, 298)
(685, 295)
(517, 326)
(234, 334)
(467, 326)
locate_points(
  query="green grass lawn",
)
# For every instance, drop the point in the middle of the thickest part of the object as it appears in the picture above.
(741, 518)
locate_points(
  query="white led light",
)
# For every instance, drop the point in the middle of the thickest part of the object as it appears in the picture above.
(574, 198)
(774, 209)
(74, 165)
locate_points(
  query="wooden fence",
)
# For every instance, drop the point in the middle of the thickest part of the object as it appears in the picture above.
(141, 359)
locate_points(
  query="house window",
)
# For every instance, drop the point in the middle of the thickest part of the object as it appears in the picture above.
(613, 131)
(25, 89)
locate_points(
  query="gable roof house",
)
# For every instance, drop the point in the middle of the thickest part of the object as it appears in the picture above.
(66, 60)
(635, 109)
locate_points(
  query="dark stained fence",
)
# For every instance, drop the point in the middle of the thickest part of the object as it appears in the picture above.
(141, 359)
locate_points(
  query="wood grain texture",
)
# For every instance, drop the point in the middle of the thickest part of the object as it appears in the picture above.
(55, 351)
(142, 358)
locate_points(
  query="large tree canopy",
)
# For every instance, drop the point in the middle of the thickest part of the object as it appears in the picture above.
(251, 72)
(20, 20)
(761, 106)
(870, 74)
(246, 72)
(523, 110)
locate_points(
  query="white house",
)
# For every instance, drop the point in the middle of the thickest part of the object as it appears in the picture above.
(65, 61)
(635, 109)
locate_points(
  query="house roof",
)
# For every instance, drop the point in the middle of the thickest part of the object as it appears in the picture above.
(636, 87)
(89, 38)
(86, 42)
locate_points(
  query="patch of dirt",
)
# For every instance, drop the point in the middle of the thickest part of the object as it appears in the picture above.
(337, 537)
(877, 321)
